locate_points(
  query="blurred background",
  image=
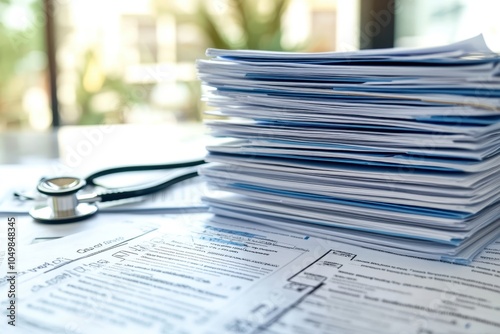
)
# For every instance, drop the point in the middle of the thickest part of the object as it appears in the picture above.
(75, 62)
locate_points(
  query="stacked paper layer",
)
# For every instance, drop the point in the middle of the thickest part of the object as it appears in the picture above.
(395, 149)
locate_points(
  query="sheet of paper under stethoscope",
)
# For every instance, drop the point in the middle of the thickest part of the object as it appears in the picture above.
(185, 196)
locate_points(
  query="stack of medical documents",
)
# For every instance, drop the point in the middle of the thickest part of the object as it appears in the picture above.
(394, 149)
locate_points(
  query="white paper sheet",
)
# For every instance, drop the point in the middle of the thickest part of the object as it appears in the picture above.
(475, 44)
(182, 197)
(193, 275)
(177, 275)
(374, 292)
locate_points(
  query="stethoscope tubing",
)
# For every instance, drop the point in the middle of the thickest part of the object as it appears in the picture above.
(137, 168)
(143, 191)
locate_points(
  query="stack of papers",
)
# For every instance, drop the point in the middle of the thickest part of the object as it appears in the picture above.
(395, 149)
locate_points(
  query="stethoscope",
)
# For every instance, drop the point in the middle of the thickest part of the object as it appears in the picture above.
(64, 204)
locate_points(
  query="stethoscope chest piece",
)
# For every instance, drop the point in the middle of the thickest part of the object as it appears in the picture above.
(62, 204)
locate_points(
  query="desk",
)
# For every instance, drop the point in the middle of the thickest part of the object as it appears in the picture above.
(83, 147)
(27, 147)
(342, 288)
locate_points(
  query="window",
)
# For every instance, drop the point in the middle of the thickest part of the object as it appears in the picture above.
(24, 99)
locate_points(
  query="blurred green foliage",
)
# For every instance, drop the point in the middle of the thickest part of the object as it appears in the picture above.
(22, 57)
(233, 24)
(261, 29)
(123, 94)
(228, 24)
